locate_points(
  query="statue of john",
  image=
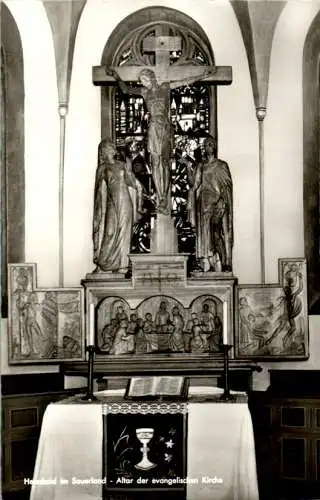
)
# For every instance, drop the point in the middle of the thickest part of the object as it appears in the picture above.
(160, 134)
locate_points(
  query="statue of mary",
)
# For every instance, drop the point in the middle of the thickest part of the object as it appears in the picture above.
(114, 210)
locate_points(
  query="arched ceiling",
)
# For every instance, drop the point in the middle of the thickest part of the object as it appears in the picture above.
(64, 17)
(257, 20)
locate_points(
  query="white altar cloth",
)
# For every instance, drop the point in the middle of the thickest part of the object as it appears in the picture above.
(220, 447)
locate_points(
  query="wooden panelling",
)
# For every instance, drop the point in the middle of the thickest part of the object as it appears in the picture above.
(293, 417)
(287, 436)
(293, 458)
(24, 417)
(23, 453)
(21, 424)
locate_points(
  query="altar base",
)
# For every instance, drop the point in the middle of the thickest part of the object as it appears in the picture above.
(159, 269)
(102, 277)
(211, 275)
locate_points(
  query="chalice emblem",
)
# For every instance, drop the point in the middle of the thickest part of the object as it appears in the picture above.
(144, 434)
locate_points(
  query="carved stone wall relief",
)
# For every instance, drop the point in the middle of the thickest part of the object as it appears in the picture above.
(44, 324)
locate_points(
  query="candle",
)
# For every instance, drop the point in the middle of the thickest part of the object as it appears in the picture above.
(225, 323)
(91, 325)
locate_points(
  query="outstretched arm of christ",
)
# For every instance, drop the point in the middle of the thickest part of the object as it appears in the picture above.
(125, 89)
(189, 80)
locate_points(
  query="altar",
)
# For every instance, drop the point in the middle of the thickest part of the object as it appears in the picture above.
(219, 443)
(166, 250)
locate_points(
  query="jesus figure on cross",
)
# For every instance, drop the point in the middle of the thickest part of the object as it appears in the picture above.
(160, 135)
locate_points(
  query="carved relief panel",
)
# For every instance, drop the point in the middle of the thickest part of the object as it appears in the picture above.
(159, 324)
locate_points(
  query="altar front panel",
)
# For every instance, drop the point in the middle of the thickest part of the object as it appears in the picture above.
(145, 447)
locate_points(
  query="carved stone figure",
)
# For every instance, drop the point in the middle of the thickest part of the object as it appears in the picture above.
(176, 342)
(120, 314)
(293, 289)
(123, 342)
(107, 337)
(211, 206)
(211, 325)
(207, 319)
(160, 134)
(198, 342)
(141, 339)
(163, 316)
(149, 330)
(113, 215)
(33, 340)
(71, 347)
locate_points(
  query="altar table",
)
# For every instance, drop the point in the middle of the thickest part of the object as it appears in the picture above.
(220, 452)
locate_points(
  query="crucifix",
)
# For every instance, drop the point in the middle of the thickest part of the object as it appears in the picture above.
(157, 81)
(161, 45)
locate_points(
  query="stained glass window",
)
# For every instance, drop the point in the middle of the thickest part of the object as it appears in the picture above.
(190, 122)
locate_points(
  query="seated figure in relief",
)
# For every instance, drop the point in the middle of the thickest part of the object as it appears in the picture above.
(106, 338)
(149, 330)
(211, 211)
(123, 342)
(163, 317)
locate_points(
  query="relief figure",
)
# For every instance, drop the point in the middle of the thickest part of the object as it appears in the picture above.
(253, 330)
(123, 342)
(211, 326)
(198, 342)
(293, 289)
(176, 342)
(163, 317)
(107, 336)
(141, 338)
(150, 333)
(33, 340)
(163, 323)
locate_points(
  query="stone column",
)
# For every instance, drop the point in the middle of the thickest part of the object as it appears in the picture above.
(261, 114)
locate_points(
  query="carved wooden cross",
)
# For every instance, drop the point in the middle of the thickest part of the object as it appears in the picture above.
(162, 44)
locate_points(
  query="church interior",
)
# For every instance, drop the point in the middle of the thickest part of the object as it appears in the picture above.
(160, 217)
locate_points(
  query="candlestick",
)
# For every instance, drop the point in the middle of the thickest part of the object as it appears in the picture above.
(91, 325)
(89, 395)
(225, 323)
(226, 396)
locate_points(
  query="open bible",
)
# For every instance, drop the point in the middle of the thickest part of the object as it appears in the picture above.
(157, 387)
